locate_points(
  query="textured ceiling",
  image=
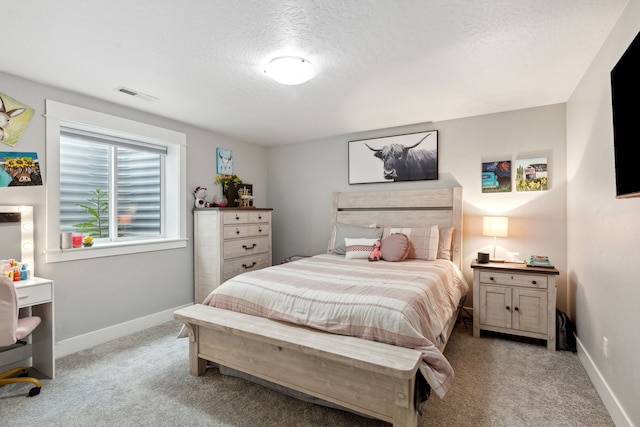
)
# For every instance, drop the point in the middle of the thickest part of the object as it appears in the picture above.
(380, 63)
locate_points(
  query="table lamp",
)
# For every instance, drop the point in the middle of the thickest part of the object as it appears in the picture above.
(495, 226)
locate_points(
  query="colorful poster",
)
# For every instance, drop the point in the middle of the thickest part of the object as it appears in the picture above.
(14, 118)
(19, 169)
(531, 174)
(496, 177)
(224, 161)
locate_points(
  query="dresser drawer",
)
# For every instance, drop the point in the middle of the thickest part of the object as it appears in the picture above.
(242, 265)
(259, 230)
(32, 295)
(239, 231)
(514, 279)
(259, 216)
(245, 247)
(235, 217)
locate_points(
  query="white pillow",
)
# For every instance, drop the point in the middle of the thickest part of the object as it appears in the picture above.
(343, 231)
(359, 248)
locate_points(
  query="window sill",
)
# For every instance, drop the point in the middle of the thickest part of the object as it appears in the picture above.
(112, 249)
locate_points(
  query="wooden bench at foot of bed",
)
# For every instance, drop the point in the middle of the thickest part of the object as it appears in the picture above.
(372, 378)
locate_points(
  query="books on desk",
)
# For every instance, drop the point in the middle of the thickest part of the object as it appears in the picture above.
(538, 261)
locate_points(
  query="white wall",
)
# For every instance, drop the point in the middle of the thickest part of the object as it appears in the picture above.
(92, 296)
(302, 177)
(602, 235)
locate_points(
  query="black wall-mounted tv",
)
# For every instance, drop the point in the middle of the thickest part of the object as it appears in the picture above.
(625, 100)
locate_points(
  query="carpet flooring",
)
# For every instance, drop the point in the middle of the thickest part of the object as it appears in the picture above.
(143, 380)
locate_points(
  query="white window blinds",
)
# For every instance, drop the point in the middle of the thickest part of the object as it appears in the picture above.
(110, 186)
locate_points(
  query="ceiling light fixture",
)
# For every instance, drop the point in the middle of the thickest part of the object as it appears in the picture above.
(290, 70)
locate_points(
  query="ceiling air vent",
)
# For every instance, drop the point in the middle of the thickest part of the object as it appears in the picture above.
(136, 94)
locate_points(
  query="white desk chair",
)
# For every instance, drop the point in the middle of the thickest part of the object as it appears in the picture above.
(12, 331)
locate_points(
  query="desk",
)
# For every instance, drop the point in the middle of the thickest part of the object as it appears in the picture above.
(35, 295)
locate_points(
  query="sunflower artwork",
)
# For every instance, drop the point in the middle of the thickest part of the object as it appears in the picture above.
(19, 169)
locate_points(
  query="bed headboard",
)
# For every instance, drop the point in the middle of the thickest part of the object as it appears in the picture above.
(406, 208)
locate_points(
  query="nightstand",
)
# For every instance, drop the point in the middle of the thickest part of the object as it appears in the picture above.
(515, 299)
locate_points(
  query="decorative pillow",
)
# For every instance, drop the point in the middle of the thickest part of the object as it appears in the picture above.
(424, 241)
(358, 248)
(352, 231)
(444, 246)
(395, 247)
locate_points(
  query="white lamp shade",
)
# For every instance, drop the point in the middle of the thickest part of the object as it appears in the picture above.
(290, 70)
(495, 226)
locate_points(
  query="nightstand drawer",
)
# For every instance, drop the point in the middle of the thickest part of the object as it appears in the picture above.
(32, 295)
(514, 279)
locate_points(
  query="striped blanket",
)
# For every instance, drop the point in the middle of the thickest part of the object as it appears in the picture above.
(402, 303)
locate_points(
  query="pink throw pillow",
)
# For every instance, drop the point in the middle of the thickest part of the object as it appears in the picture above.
(395, 247)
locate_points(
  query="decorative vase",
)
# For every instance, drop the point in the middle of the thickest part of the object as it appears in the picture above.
(231, 193)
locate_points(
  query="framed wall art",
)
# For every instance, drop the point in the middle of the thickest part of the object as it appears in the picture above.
(531, 174)
(224, 161)
(409, 157)
(18, 169)
(14, 118)
(496, 177)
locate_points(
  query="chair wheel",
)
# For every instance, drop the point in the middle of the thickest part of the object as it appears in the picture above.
(34, 391)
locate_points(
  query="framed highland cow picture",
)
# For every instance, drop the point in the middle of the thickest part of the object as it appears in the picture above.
(409, 157)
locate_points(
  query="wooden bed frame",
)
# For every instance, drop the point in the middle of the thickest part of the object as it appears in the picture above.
(367, 377)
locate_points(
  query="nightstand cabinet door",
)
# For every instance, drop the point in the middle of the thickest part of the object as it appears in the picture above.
(495, 303)
(530, 310)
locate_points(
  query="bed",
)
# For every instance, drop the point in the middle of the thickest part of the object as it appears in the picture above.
(308, 325)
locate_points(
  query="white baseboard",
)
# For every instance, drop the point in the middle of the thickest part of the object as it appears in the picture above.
(617, 412)
(82, 342)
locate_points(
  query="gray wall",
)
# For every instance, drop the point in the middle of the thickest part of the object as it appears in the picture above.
(302, 178)
(94, 294)
(602, 234)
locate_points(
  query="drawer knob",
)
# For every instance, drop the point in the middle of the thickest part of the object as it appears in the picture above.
(491, 278)
(237, 217)
(260, 230)
(259, 216)
(237, 231)
(516, 308)
(245, 266)
(247, 247)
(508, 308)
(534, 282)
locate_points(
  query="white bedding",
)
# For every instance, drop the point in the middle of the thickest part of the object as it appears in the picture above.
(405, 303)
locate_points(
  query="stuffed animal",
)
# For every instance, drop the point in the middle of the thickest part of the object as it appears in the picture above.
(375, 254)
(200, 194)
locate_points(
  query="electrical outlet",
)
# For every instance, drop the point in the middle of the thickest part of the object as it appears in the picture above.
(605, 347)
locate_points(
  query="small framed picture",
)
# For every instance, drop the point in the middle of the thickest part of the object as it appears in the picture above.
(224, 161)
(531, 174)
(496, 177)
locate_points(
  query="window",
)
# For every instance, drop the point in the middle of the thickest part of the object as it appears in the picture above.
(114, 179)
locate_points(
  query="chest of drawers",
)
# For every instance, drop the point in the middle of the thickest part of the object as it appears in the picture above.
(228, 242)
